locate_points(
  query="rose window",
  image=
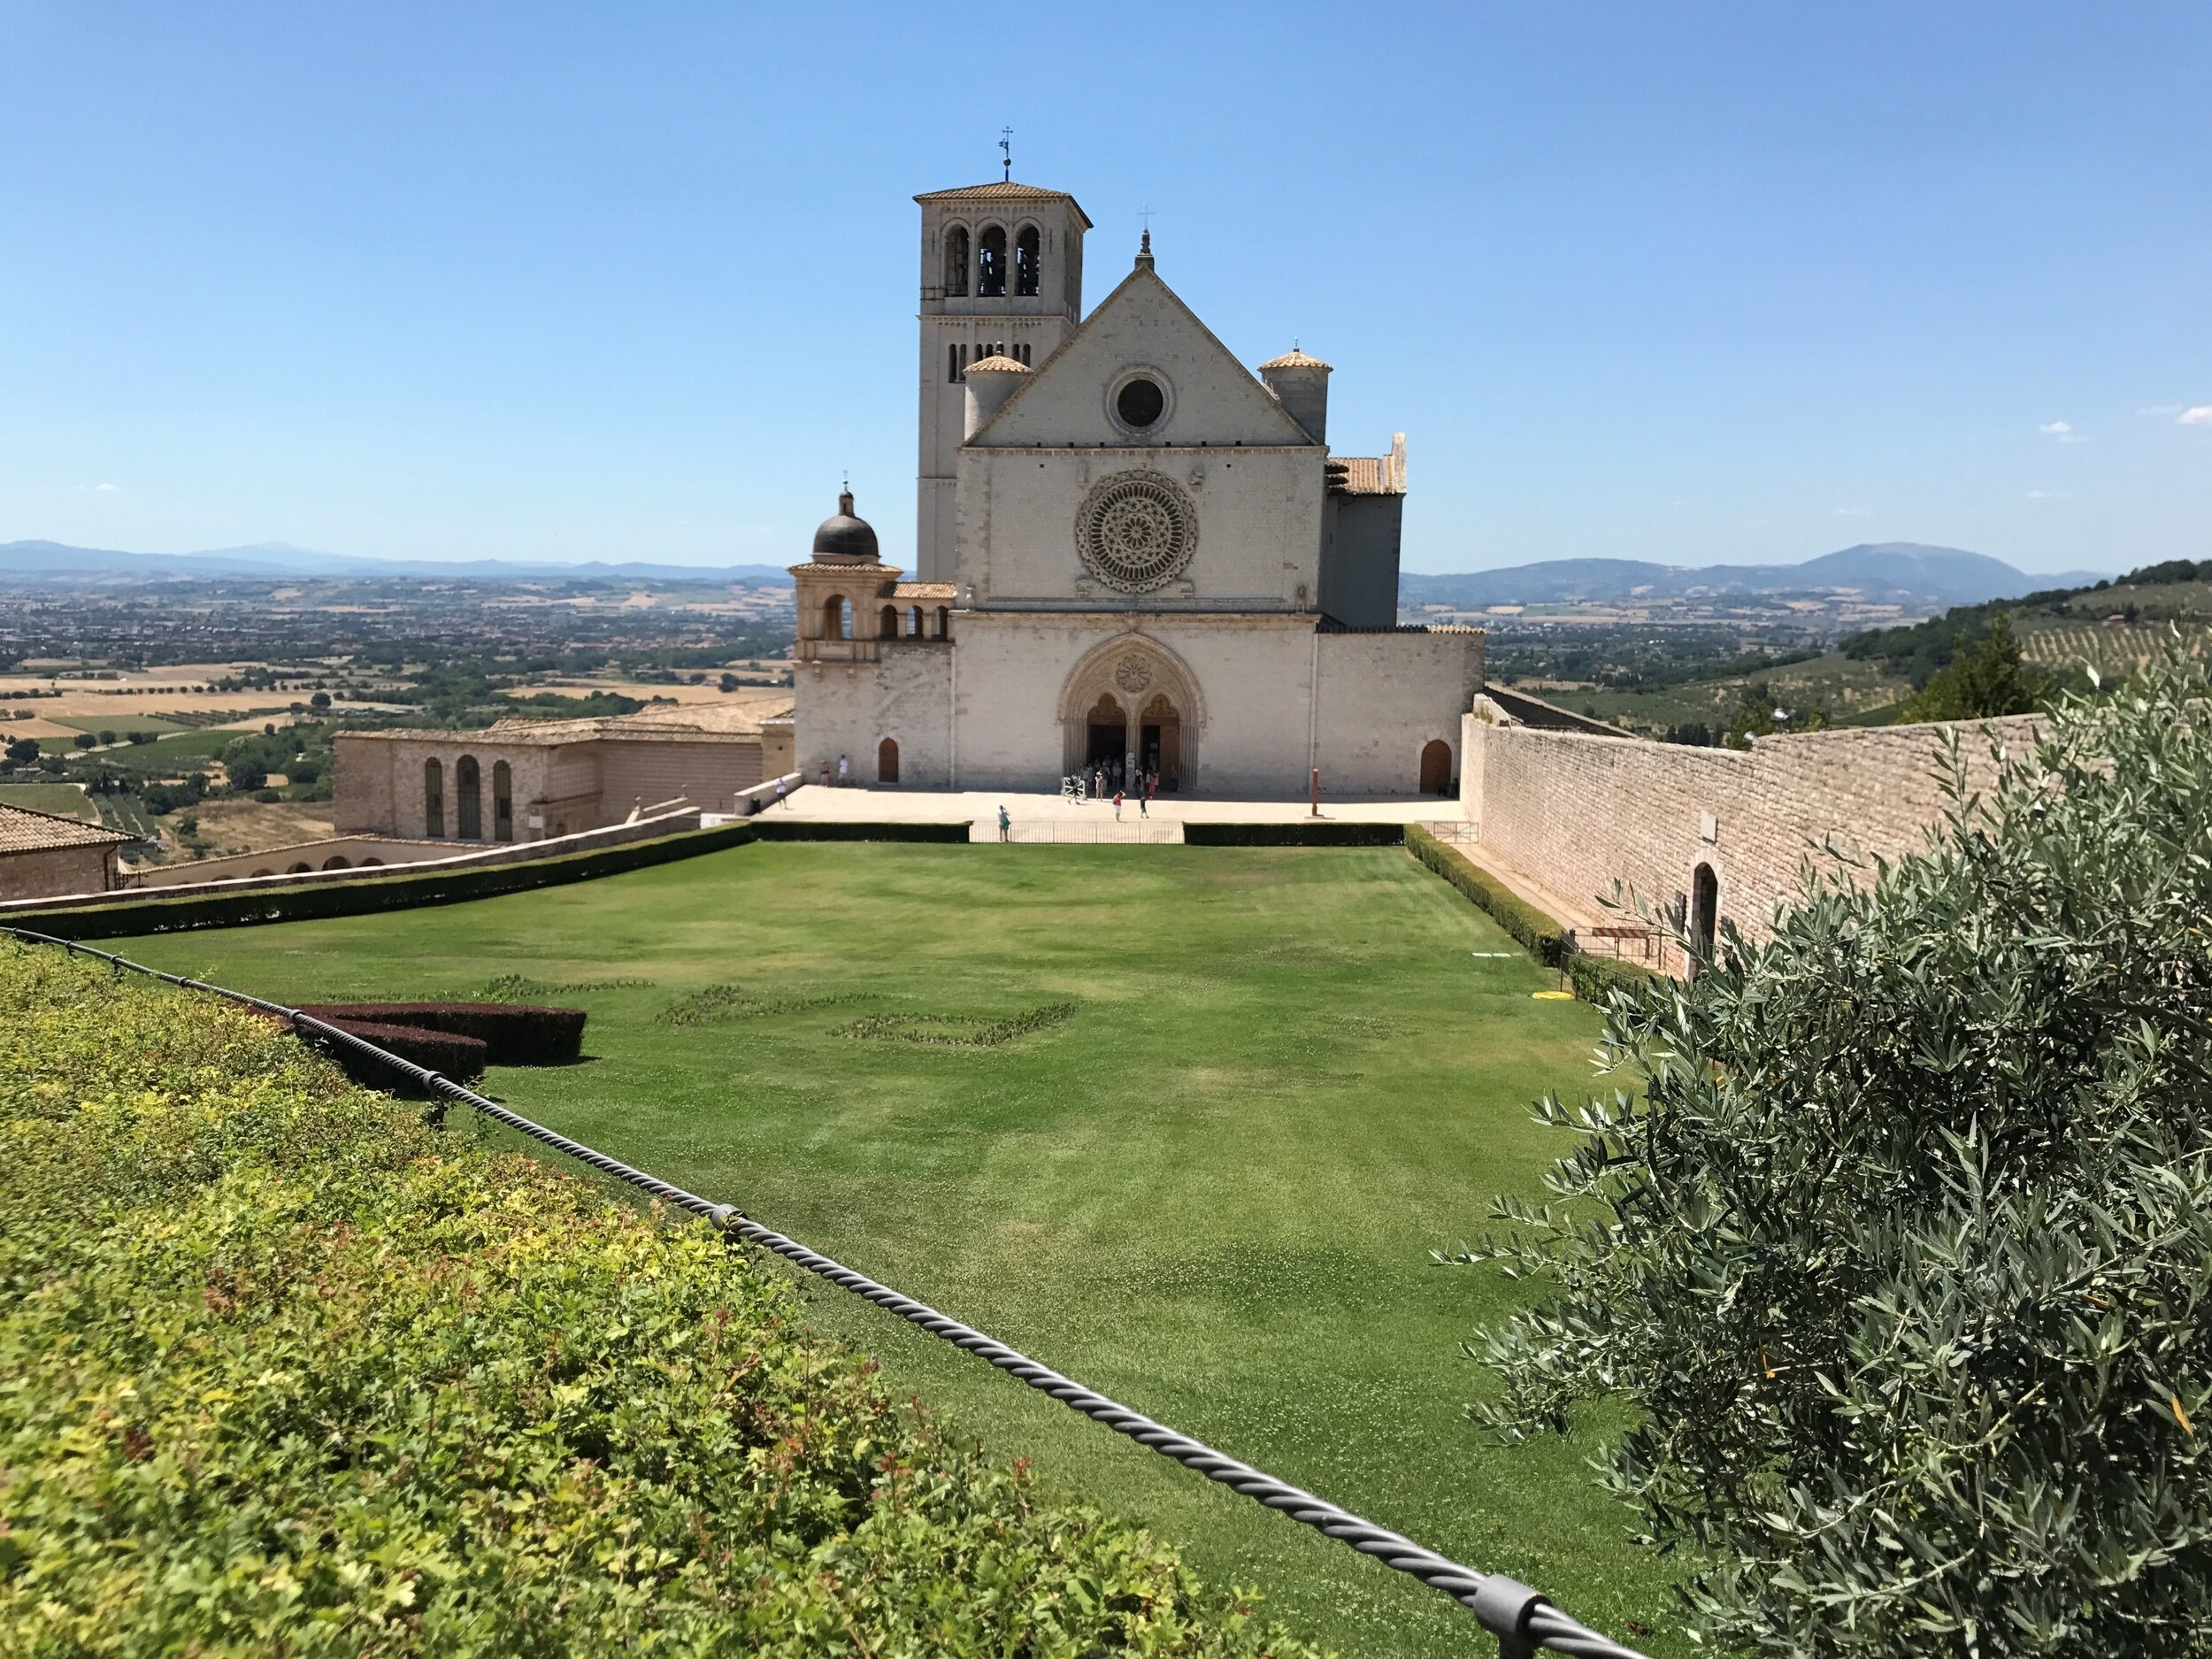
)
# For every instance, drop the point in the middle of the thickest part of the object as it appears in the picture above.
(1136, 530)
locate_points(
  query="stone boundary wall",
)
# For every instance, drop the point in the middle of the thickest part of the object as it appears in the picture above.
(500, 853)
(1579, 812)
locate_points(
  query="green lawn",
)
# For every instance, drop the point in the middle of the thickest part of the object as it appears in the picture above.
(186, 752)
(1210, 1189)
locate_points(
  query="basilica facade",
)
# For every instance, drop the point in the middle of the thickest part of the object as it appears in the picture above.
(1133, 552)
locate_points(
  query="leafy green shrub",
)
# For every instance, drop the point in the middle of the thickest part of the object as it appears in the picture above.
(1306, 832)
(397, 890)
(1594, 979)
(513, 1034)
(1531, 928)
(289, 1372)
(1900, 1252)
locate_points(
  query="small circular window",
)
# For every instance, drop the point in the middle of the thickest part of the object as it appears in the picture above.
(1140, 403)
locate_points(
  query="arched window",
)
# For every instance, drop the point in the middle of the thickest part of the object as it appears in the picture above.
(1026, 261)
(914, 622)
(1704, 915)
(957, 263)
(502, 802)
(944, 622)
(990, 265)
(336, 864)
(468, 790)
(837, 618)
(887, 624)
(886, 762)
(434, 800)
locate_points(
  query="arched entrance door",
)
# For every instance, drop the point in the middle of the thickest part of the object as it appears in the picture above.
(1704, 915)
(1106, 741)
(1436, 767)
(1160, 741)
(886, 762)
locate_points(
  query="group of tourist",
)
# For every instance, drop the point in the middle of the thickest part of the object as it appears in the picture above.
(1112, 776)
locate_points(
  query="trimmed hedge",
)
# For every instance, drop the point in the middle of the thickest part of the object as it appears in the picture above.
(1533, 929)
(800, 829)
(460, 1058)
(291, 1371)
(1304, 833)
(1596, 978)
(396, 891)
(514, 1034)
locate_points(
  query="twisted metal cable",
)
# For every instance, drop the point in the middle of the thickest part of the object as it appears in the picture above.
(1522, 1620)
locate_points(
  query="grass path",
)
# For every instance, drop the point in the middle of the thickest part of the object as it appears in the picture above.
(1210, 1189)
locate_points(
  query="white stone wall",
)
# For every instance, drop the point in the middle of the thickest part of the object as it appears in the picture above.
(1384, 698)
(849, 708)
(1259, 528)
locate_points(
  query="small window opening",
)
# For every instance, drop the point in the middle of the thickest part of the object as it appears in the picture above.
(1025, 262)
(887, 624)
(990, 265)
(952, 365)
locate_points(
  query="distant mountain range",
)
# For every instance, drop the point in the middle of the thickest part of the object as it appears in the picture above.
(1887, 573)
(1903, 572)
(275, 561)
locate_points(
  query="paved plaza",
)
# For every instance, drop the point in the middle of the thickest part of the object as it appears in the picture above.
(1051, 817)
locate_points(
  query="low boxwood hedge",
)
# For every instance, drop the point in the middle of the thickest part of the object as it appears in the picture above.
(514, 1034)
(1302, 832)
(396, 891)
(1533, 929)
(769, 828)
(460, 1058)
(291, 1371)
(1595, 977)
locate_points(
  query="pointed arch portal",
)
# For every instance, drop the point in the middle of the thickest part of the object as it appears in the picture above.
(1133, 700)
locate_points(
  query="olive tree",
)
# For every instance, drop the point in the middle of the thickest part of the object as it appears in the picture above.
(1898, 1243)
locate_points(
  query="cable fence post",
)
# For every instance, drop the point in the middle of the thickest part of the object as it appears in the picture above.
(1503, 1606)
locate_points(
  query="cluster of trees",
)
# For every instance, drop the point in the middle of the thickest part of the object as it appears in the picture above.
(1897, 1237)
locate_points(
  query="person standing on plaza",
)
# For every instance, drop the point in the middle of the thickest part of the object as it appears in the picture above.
(843, 770)
(783, 798)
(1005, 825)
(1117, 806)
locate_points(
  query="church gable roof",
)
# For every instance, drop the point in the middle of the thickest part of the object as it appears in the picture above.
(1212, 398)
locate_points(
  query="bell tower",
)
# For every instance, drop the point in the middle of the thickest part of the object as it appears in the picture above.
(1002, 276)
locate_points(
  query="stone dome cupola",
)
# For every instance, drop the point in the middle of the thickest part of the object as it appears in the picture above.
(1300, 384)
(844, 539)
(991, 382)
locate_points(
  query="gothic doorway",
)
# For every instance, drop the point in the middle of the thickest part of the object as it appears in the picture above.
(1107, 733)
(1436, 767)
(1160, 741)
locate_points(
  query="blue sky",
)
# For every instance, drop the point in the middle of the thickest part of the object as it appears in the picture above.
(1690, 283)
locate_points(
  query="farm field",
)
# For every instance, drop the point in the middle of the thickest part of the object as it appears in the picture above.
(1183, 1123)
(1833, 681)
(64, 800)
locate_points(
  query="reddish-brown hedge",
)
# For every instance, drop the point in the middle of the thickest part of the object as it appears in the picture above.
(513, 1034)
(459, 1058)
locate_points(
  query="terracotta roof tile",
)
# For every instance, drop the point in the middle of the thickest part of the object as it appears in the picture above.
(999, 363)
(1363, 475)
(1005, 190)
(1294, 359)
(24, 831)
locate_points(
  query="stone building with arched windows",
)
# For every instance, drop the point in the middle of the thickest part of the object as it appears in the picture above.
(528, 780)
(1130, 549)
